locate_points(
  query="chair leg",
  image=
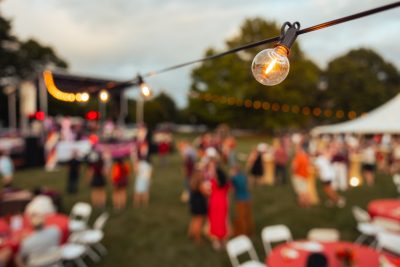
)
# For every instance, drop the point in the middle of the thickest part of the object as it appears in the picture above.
(100, 248)
(92, 254)
(360, 239)
(79, 262)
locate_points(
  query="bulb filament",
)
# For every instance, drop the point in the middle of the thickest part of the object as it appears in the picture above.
(270, 67)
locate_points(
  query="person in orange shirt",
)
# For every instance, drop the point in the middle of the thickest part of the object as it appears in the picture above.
(300, 174)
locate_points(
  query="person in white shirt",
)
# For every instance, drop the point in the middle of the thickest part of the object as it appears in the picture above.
(142, 183)
(40, 241)
(368, 157)
(327, 174)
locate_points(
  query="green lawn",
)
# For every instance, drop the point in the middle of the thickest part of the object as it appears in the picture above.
(156, 236)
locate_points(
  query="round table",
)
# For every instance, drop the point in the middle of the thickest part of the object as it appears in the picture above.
(388, 208)
(296, 253)
(12, 239)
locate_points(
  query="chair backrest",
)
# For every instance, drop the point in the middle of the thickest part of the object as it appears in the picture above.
(275, 233)
(239, 245)
(389, 241)
(360, 215)
(396, 179)
(81, 211)
(387, 224)
(101, 221)
(323, 235)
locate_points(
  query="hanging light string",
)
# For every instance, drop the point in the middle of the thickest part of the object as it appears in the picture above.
(273, 106)
(327, 24)
(277, 38)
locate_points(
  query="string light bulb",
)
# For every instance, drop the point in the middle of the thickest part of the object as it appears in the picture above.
(103, 96)
(85, 97)
(145, 90)
(271, 66)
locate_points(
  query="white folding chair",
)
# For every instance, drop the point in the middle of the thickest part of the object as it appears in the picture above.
(79, 216)
(389, 241)
(240, 245)
(323, 235)
(396, 181)
(275, 233)
(364, 224)
(93, 237)
(361, 215)
(75, 251)
(386, 224)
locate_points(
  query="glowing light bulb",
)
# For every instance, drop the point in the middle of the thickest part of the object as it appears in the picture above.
(85, 97)
(103, 96)
(271, 66)
(354, 181)
(145, 90)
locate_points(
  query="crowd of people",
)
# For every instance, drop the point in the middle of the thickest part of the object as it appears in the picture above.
(102, 168)
(211, 172)
(211, 169)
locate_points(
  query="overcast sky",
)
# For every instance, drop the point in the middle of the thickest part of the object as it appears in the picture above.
(119, 38)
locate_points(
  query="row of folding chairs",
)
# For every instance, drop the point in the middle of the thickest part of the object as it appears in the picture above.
(83, 240)
(379, 232)
(269, 235)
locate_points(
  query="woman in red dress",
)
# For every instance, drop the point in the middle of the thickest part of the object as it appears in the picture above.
(218, 204)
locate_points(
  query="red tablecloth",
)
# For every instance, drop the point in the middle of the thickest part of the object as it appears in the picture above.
(363, 256)
(388, 208)
(12, 239)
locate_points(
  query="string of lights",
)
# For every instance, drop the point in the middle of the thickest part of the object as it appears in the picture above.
(263, 105)
(269, 67)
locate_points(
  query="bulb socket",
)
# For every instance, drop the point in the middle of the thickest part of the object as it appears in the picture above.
(288, 35)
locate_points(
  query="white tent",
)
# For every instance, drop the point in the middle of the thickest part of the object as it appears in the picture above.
(384, 119)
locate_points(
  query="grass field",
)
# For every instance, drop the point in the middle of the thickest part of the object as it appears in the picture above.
(156, 235)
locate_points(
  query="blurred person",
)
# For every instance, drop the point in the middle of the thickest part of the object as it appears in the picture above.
(218, 200)
(120, 175)
(40, 204)
(395, 156)
(327, 174)
(74, 165)
(281, 159)
(5, 256)
(255, 163)
(189, 160)
(243, 222)
(228, 151)
(340, 162)
(368, 159)
(197, 204)
(40, 240)
(96, 173)
(300, 175)
(6, 169)
(142, 183)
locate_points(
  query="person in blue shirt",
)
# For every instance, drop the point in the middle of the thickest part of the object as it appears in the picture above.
(243, 221)
(6, 169)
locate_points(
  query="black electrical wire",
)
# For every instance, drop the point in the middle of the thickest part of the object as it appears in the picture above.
(271, 40)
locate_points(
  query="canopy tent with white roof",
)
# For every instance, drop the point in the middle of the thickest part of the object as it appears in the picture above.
(384, 119)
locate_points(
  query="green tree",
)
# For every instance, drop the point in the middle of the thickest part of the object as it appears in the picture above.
(21, 60)
(231, 76)
(360, 80)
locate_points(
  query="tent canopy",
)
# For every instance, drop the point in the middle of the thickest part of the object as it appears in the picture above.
(384, 119)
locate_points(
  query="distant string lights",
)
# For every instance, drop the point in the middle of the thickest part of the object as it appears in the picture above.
(269, 67)
(273, 106)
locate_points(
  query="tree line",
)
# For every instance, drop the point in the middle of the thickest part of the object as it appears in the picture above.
(358, 81)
